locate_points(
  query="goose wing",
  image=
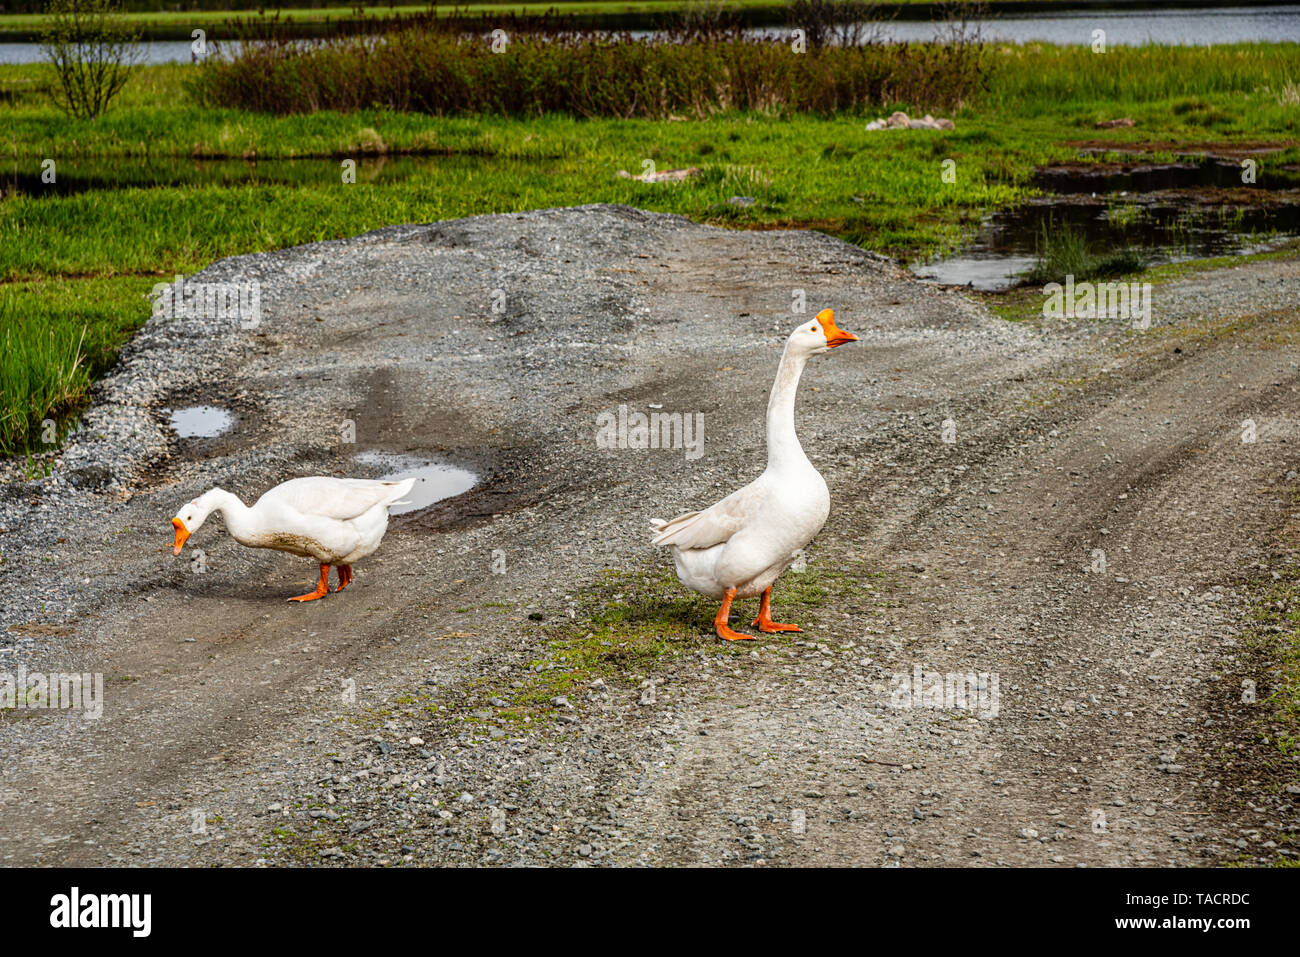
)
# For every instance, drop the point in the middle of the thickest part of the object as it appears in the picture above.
(339, 499)
(714, 525)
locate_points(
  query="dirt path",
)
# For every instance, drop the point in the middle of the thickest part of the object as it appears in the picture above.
(385, 724)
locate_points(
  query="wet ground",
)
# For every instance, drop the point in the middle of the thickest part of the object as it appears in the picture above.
(1196, 207)
(434, 481)
(199, 421)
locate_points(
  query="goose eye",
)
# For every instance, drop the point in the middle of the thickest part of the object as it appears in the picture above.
(812, 328)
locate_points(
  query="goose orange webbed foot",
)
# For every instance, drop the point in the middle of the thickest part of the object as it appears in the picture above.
(345, 577)
(322, 587)
(720, 620)
(764, 620)
(774, 628)
(727, 634)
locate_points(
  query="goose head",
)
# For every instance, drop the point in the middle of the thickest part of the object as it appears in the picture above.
(191, 517)
(819, 335)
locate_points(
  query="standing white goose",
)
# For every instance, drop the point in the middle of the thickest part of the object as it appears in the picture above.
(335, 521)
(738, 547)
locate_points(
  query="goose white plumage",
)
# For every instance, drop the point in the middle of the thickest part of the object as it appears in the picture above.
(335, 521)
(738, 547)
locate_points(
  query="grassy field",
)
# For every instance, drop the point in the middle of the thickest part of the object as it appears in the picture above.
(158, 186)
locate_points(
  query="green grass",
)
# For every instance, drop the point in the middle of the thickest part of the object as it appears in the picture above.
(167, 188)
(623, 627)
(1272, 642)
(1184, 85)
(803, 172)
(1064, 251)
(1276, 624)
(1025, 303)
(1171, 271)
(630, 622)
(55, 339)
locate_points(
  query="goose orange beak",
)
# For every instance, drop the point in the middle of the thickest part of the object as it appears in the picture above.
(835, 336)
(182, 533)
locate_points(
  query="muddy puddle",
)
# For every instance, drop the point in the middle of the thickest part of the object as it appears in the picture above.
(200, 421)
(1192, 208)
(434, 481)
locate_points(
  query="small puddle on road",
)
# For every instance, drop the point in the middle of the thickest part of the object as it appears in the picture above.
(200, 422)
(434, 481)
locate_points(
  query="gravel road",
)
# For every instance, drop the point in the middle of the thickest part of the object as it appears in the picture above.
(1064, 510)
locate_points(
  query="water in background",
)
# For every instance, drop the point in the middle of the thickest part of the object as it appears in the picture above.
(1192, 27)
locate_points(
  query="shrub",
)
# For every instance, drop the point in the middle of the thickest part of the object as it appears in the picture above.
(92, 49)
(837, 22)
(426, 66)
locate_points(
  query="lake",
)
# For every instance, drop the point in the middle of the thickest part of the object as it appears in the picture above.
(1189, 27)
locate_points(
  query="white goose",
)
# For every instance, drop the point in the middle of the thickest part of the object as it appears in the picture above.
(335, 521)
(738, 547)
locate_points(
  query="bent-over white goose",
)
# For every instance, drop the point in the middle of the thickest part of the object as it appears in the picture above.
(335, 521)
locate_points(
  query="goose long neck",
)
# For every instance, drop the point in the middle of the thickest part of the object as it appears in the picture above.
(783, 446)
(237, 515)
